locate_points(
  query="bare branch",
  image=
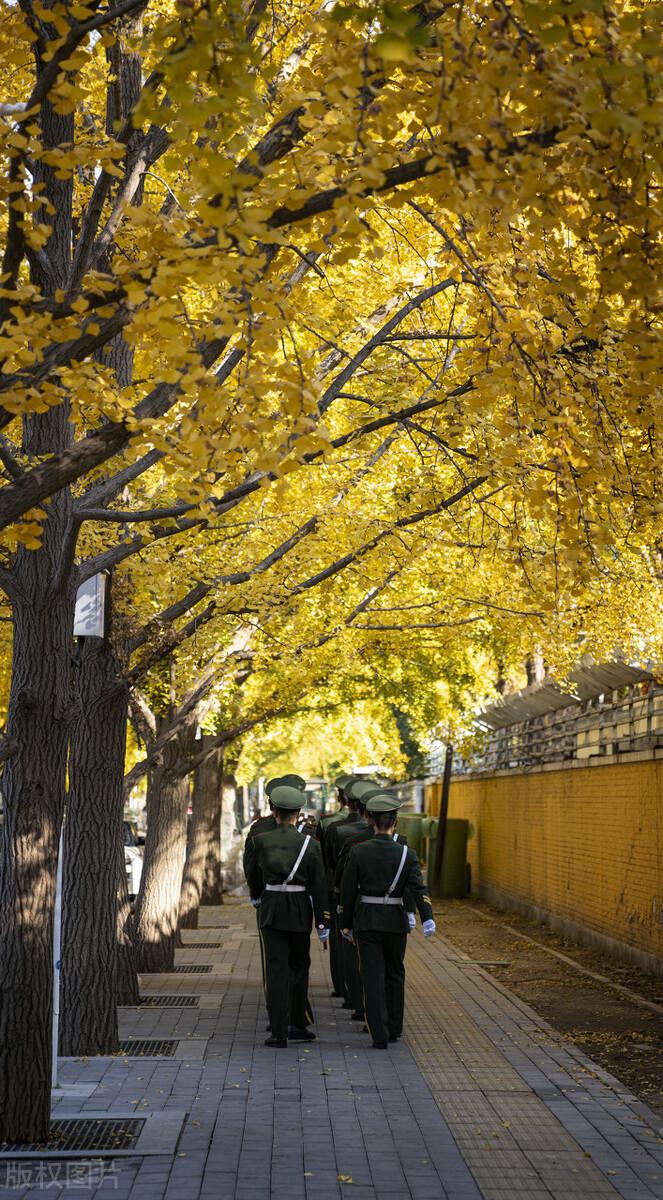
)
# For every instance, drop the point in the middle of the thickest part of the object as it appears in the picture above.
(107, 489)
(122, 518)
(378, 339)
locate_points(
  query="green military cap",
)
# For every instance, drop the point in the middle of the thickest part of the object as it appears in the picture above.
(293, 781)
(376, 790)
(273, 783)
(358, 788)
(341, 781)
(382, 802)
(284, 796)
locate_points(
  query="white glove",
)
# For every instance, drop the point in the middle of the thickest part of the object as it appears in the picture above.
(255, 903)
(412, 920)
(428, 928)
(323, 934)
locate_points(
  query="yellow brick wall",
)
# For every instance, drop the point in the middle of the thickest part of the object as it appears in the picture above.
(585, 843)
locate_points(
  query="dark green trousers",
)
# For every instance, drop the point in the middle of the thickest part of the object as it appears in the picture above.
(351, 977)
(287, 958)
(335, 964)
(382, 965)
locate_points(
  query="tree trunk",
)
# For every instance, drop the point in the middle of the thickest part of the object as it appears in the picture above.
(93, 832)
(127, 973)
(38, 718)
(157, 906)
(203, 860)
(33, 785)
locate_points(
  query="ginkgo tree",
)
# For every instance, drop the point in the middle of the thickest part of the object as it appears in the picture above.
(205, 194)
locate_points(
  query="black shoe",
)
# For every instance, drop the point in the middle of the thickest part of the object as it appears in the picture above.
(300, 1035)
(346, 1004)
(357, 1016)
(336, 995)
(268, 1029)
(277, 1043)
(393, 1037)
(379, 1045)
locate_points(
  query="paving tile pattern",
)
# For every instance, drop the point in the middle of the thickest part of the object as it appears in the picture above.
(531, 1112)
(481, 1099)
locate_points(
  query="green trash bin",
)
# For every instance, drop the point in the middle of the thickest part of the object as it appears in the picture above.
(412, 826)
(453, 884)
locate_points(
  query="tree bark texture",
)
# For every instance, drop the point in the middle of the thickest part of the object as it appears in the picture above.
(157, 906)
(203, 859)
(93, 833)
(34, 780)
(231, 826)
(40, 709)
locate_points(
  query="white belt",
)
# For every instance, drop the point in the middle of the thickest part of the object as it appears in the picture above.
(286, 887)
(382, 900)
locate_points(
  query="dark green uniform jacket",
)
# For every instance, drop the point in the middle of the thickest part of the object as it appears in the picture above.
(270, 860)
(337, 835)
(370, 870)
(364, 835)
(324, 827)
(262, 825)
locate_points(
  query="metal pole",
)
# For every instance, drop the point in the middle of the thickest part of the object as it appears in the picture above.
(442, 820)
(57, 938)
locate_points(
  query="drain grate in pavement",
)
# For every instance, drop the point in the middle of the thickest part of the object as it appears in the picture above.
(87, 1135)
(194, 969)
(137, 1047)
(201, 946)
(169, 1001)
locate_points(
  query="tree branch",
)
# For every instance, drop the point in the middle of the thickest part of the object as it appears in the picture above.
(401, 523)
(409, 172)
(117, 554)
(76, 34)
(378, 339)
(106, 490)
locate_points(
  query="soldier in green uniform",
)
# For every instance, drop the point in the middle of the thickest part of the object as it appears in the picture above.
(263, 825)
(373, 916)
(340, 834)
(364, 835)
(286, 879)
(324, 824)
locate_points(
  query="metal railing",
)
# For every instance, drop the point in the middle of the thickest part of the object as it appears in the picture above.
(621, 722)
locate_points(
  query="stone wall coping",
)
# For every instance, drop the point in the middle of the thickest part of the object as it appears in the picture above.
(609, 760)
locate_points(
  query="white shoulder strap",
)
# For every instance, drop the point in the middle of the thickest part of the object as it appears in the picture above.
(300, 856)
(399, 871)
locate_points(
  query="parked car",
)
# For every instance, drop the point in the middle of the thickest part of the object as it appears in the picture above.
(133, 856)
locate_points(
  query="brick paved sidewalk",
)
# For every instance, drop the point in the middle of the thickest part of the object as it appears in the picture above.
(481, 1099)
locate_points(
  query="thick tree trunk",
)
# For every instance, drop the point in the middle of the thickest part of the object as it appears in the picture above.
(127, 973)
(38, 718)
(33, 785)
(203, 859)
(93, 832)
(157, 906)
